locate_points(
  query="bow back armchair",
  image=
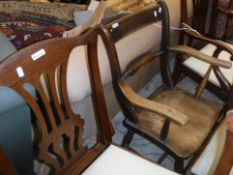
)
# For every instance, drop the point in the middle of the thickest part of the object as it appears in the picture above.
(178, 122)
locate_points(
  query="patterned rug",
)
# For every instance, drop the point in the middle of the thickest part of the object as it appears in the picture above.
(24, 29)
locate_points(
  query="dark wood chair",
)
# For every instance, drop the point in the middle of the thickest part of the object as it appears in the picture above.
(58, 130)
(219, 79)
(178, 122)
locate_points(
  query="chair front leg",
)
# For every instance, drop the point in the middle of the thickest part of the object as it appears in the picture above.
(127, 139)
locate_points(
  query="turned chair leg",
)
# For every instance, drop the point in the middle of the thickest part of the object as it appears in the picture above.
(127, 139)
(179, 165)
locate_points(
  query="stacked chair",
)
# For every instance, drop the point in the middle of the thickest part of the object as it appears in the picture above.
(177, 121)
(219, 80)
(57, 130)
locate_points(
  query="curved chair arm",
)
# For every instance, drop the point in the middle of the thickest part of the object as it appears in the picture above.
(201, 56)
(152, 106)
(220, 44)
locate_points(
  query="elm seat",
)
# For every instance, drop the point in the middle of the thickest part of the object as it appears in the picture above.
(202, 116)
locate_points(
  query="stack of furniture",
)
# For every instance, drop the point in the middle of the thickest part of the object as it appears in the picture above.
(58, 131)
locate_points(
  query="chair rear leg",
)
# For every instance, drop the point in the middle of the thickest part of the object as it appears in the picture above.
(127, 138)
(177, 69)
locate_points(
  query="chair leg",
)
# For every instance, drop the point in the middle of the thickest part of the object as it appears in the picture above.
(177, 71)
(179, 165)
(127, 139)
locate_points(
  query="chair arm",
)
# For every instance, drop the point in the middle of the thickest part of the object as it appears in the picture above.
(201, 56)
(152, 106)
(220, 44)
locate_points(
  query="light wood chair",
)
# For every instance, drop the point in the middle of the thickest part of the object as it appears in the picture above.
(178, 122)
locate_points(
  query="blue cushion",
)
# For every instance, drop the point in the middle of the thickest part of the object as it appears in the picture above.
(10, 99)
(7, 48)
(16, 138)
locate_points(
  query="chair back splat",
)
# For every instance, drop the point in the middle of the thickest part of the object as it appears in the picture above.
(167, 117)
(57, 129)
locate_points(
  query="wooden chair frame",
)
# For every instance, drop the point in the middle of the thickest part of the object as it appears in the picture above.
(127, 97)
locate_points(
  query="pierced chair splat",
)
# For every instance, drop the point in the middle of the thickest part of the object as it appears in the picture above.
(58, 130)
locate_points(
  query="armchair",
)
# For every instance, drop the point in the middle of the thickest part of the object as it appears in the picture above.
(178, 122)
(219, 79)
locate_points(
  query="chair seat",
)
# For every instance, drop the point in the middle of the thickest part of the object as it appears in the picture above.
(117, 161)
(183, 140)
(201, 67)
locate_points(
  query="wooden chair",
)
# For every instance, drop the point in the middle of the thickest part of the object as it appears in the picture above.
(178, 122)
(220, 79)
(58, 131)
